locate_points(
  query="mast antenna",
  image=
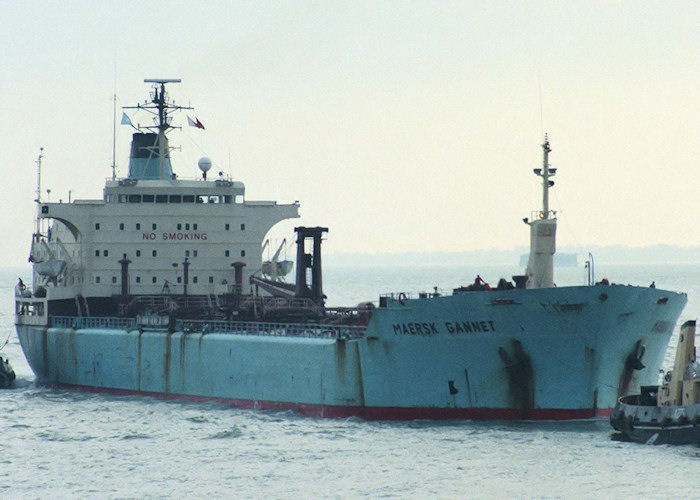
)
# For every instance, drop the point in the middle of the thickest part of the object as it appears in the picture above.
(114, 135)
(38, 191)
(539, 80)
(114, 116)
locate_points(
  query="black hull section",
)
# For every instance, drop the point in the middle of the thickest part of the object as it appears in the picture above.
(656, 424)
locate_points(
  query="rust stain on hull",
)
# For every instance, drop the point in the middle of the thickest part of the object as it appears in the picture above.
(521, 387)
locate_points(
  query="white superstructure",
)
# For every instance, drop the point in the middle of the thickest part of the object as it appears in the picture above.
(153, 231)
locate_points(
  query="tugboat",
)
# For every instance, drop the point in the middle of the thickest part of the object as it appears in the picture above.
(159, 288)
(7, 374)
(670, 413)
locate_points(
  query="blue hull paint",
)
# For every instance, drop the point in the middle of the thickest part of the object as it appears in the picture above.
(457, 356)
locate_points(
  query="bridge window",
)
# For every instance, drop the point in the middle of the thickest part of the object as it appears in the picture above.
(175, 198)
(161, 198)
(188, 198)
(134, 198)
(148, 198)
(123, 198)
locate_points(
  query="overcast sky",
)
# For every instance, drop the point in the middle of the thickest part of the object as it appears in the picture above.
(402, 126)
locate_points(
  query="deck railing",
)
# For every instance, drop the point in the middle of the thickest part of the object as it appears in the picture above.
(92, 322)
(309, 330)
(317, 330)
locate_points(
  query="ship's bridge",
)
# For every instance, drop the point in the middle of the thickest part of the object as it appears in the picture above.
(174, 191)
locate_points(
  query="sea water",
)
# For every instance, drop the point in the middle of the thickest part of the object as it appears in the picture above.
(64, 444)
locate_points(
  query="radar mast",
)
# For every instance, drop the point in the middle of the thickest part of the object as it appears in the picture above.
(37, 233)
(543, 229)
(160, 107)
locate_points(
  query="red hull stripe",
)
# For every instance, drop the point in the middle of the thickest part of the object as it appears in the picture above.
(371, 412)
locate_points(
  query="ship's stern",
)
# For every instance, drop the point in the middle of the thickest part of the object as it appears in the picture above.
(31, 322)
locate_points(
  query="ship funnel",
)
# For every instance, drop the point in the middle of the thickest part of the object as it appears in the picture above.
(144, 161)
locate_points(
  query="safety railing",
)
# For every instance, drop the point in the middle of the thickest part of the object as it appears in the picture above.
(92, 322)
(309, 330)
(315, 330)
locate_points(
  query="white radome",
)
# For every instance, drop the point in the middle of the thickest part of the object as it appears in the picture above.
(204, 164)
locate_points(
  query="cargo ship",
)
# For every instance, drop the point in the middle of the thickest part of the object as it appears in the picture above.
(158, 289)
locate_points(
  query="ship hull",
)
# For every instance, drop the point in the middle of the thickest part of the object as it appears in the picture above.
(558, 353)
(656, 424)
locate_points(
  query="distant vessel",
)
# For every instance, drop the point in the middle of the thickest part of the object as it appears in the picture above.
(158, 288)
(560, 260)
(669, 413)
